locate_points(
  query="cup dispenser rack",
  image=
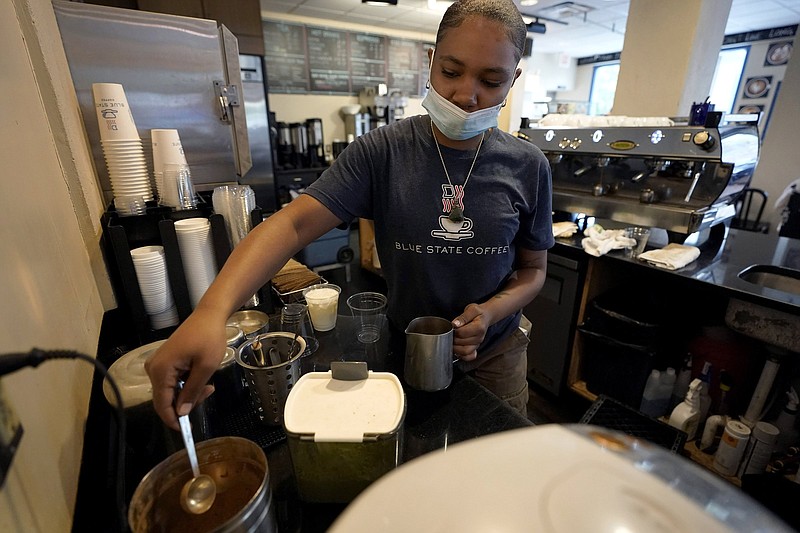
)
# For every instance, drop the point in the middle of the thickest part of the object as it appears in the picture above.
(157, 227)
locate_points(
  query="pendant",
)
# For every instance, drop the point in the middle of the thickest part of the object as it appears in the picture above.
(456, 214)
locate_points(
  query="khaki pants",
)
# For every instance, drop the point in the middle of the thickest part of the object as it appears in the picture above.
(504, 369)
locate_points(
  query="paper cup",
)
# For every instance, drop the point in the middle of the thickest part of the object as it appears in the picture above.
(167, 149)
(114, 116)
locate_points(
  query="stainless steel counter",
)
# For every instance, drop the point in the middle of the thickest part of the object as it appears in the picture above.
(719, 265)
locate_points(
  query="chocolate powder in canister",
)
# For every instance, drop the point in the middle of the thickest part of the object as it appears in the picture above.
(237, 483)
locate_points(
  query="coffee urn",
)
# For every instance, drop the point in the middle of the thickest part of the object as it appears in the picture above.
(284, 145)
(299, 144)
(316, 145)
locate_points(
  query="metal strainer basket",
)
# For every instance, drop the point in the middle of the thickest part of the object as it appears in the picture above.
(270, 382)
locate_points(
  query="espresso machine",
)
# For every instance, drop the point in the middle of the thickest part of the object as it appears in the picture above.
(681, 178)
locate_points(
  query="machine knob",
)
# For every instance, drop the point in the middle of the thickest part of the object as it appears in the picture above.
(704, 140)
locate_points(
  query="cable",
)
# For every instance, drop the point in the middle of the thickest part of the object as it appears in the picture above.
(16, 361)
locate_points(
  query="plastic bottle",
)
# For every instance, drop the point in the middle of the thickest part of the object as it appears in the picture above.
(705, 397)
(665, 388)
(657, 392)
(785, 422)
(650, 395)
(682, 382)
(686, 414)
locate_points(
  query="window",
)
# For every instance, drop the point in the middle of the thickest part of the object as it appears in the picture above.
(604, 85)
(727, 76)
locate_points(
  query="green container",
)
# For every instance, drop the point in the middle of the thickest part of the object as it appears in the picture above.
(343, 434)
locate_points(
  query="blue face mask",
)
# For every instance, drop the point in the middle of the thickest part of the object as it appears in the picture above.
(456, 123)
(453, 121)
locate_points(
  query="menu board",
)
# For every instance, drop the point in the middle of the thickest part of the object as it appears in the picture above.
(303, 59)
(367, 60)
(327, 60)
(404, 61)
(285, 57)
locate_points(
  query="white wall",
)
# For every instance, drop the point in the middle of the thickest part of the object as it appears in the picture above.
(53, 285)
(780, 158)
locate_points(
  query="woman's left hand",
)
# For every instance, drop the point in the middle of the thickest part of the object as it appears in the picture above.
(469, 330)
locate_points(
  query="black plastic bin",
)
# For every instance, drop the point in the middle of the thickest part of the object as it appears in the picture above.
(615, 368)
(631, 317)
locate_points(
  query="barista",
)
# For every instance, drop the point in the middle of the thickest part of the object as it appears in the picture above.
(447, 178)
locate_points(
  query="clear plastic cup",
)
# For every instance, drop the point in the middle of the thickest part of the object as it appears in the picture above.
(369, 310)
(640, 235)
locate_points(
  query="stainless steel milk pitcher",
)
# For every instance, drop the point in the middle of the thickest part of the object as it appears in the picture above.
(429, 353)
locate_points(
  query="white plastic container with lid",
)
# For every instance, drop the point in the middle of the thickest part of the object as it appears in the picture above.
(731, 448)
(343, 429)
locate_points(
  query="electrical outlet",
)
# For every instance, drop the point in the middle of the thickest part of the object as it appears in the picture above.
(10, 434)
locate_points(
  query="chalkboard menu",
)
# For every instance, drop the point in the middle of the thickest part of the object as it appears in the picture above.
(285, 56)
(327, 60)
(311, 59)
(404, 65)
(367, 60)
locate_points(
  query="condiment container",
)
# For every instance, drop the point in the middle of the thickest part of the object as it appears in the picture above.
(344, 430)
(244, 500)
(731, 448)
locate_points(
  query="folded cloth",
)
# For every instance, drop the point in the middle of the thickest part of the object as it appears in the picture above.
(564, 229)
(599, 241)
(672, 256)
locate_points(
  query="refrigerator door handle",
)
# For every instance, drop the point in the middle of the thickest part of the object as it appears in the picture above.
(241, 142)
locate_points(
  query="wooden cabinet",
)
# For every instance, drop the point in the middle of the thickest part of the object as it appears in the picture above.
(241, 17)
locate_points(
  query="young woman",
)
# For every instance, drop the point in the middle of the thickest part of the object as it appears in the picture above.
(462, 214)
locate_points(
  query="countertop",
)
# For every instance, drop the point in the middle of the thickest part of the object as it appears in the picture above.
(433, 420)
(720, 262)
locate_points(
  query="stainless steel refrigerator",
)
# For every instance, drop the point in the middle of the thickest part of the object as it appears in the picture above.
(178, 72)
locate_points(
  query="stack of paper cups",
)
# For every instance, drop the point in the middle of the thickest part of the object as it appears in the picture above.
(151, 273)
(167, 149)
(197, 255)
(122, 147)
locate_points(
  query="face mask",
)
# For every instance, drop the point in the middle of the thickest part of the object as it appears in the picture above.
(456, 123)
(453, 121)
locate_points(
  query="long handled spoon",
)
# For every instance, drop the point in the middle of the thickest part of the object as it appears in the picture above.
(198, 494)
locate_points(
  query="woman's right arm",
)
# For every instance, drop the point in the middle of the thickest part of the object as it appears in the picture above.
(193, 352)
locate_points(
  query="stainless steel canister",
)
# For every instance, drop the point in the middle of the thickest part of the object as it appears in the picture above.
(244, 501)
(429, 353)
(271, 372)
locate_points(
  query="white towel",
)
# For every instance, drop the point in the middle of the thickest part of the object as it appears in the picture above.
(564, 229)
(672, 256)
(599, 241)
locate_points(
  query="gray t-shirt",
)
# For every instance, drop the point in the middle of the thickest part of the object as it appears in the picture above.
(393, 175)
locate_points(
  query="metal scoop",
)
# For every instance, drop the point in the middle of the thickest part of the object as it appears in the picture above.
(198, 493)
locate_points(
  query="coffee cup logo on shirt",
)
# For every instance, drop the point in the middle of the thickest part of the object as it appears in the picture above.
(451, 230)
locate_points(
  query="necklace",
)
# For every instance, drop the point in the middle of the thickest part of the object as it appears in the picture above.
(456, 213)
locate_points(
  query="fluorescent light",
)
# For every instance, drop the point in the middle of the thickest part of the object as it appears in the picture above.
(528, 2)
(439, 5)
(380, 2)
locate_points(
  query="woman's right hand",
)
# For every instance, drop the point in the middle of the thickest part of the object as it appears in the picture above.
(192, 353)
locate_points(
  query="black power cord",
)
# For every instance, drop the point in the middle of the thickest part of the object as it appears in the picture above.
(16, 361)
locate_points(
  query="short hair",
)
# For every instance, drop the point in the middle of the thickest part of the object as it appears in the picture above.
(502, 11)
